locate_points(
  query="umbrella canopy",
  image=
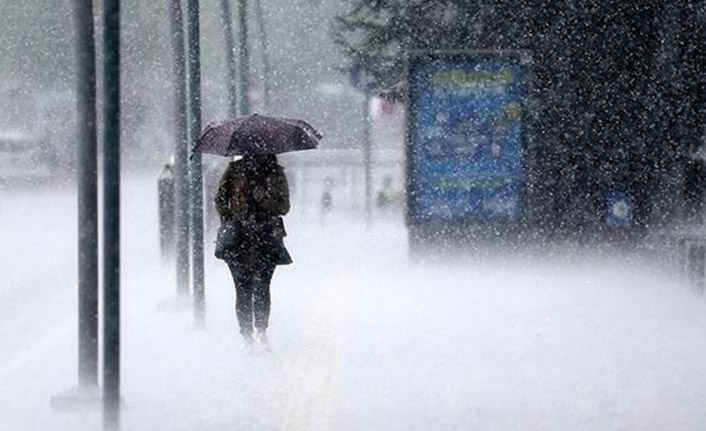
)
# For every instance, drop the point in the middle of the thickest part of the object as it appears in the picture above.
(257, 134)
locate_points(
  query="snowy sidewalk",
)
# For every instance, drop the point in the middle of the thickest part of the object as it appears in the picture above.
(365, 341)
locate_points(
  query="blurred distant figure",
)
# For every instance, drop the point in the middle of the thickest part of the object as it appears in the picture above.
(252, 197)
(165, 192)
(384, 197)
(326, 198)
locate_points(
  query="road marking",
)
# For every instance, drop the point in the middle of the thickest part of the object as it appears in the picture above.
(313, 392)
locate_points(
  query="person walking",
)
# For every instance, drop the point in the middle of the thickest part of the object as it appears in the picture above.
(252, 197)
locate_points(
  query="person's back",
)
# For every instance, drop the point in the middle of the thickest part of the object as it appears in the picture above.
(253, 193)
(249, 187)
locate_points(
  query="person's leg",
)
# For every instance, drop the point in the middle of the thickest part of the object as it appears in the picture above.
(261, 295)
(243, 277)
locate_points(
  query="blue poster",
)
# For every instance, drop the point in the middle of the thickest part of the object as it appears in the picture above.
(466, 138)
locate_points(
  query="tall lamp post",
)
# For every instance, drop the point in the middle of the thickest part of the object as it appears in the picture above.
(87, 196)
(194, 68)
(367, 156)
(181, 151)
(111, 208)
(360, 83)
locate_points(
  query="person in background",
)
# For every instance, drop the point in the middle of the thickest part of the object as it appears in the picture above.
(326, 199)
(254, 195)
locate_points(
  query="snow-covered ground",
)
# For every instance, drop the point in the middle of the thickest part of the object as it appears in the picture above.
(363, 340)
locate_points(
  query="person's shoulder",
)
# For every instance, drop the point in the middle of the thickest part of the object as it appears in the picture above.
(233, 169)
(236, 166)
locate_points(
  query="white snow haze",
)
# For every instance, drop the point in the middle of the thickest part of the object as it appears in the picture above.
(362, 338)
(578, 325)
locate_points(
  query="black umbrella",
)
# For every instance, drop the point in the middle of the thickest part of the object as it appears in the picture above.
(257, 134)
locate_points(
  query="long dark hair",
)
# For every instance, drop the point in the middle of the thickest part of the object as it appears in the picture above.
(259, 166)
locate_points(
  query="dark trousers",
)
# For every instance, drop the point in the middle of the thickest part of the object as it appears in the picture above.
(252, 294)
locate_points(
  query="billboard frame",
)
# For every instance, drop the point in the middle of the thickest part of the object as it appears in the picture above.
(420, 228)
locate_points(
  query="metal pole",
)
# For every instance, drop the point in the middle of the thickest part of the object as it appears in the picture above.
(230, 57)
(87, 196)
(243, 58)
(181, 163)
(367, 158)
(111, 214)
(196, 168)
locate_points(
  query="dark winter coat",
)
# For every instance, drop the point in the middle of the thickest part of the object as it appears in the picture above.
(256, 196)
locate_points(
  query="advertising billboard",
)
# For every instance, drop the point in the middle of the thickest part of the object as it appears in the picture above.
(465, 136)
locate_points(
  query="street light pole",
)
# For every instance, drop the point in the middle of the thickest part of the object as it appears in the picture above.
(181, 150)
(359, 81)
(194, 66)
(111, 201)
(367, 157)
(87, 195)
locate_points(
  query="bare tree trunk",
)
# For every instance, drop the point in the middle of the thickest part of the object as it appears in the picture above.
(243, 59)
(229, 43)
(264, 43)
